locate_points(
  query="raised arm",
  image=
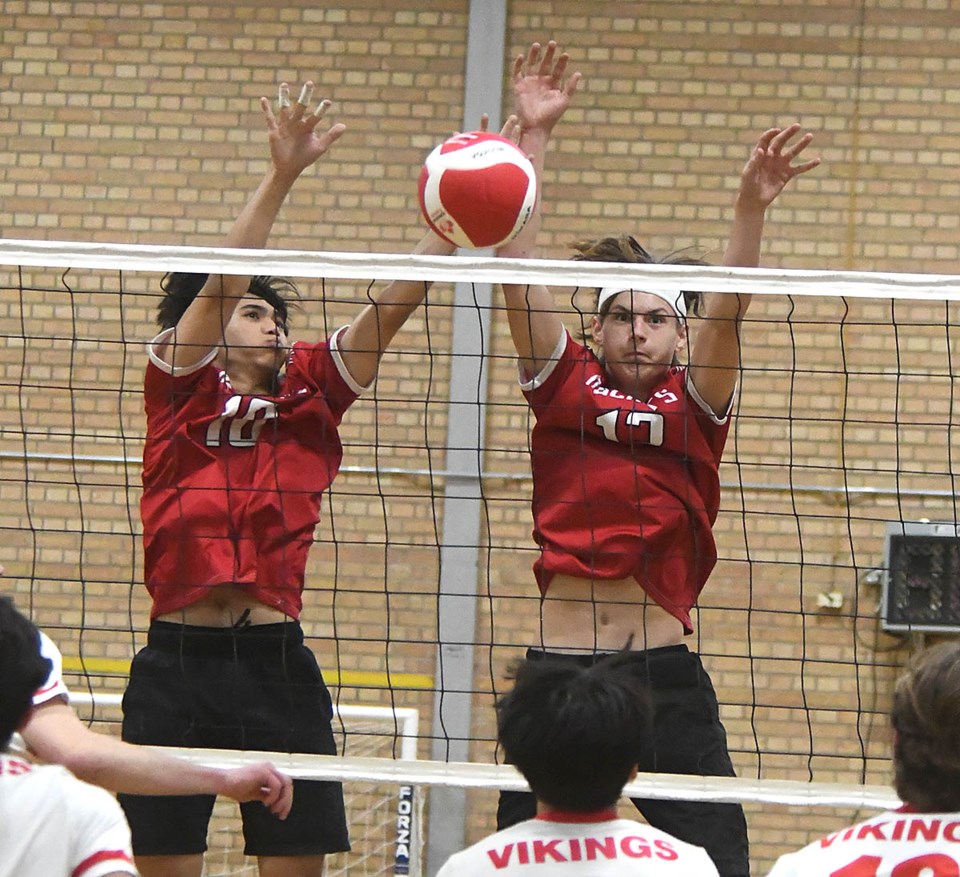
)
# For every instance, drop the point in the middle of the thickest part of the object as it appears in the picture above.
(295, 145)
(366, 339)
(56, 735)
(715, 355)
(541, 97)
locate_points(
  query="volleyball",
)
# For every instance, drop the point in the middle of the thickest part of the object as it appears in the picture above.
(477, 190)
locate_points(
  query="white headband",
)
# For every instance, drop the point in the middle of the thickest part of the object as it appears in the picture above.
(677, 304)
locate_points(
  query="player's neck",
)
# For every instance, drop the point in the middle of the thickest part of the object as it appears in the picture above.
(251, 380)
(633, 382)
(548, 813)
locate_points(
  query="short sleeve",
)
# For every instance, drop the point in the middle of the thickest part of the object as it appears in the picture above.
(54, 686)
(99, 834)
(162, 339)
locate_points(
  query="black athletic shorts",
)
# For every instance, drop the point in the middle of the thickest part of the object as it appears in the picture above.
(688, 739)
(255, 688)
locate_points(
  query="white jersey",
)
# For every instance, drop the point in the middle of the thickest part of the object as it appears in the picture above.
(53, 825)
(52, 688)
(898, 842)
(565, 844)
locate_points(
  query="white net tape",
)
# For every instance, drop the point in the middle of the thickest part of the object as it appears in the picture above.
(477, 269)
(670, 787)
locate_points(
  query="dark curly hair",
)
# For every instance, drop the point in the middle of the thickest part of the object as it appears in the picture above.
(625, 248)
(926, 718)
(22, 668)
(181, 288)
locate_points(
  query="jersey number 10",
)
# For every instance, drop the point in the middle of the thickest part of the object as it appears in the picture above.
(242, 429)
(928, 865)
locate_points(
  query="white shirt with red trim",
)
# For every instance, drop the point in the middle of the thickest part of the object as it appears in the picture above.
(54, 825)
(898, 843)
(52, 688)
(580, 845)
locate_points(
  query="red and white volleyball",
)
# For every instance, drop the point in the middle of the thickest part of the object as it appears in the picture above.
(477, 190)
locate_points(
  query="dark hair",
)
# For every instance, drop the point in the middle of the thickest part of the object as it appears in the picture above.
(22, 668)
(181, 288)
(625, 248)
(574, 732)
(926, 718)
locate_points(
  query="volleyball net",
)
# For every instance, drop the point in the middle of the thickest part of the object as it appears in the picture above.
(837, 534)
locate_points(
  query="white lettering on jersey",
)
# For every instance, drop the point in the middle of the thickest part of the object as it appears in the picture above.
(666, 396)
(595, 383)
(610, 420)
(243, 430)
(898, 846)
(651, 419)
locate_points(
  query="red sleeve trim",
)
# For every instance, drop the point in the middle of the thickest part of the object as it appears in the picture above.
(98, 858)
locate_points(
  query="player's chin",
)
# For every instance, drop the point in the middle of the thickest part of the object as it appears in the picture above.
(633, 367)
(630, 376)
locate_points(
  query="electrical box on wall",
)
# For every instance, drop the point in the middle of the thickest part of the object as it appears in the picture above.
(921, 580)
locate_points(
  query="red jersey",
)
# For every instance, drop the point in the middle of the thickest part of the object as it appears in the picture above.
(622, 486)
(232, 483)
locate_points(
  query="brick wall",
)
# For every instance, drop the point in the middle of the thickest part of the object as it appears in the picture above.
(138, 123)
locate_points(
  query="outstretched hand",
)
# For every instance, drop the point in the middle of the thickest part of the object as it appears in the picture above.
(294, 141)
(260, 782)
(540, 94)
(770, 166)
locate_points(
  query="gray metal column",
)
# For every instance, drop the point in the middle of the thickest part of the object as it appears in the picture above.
(459, 566)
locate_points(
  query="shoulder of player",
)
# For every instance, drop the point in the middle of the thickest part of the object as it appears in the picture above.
(303, 353)
(307, 368)
(159, 380)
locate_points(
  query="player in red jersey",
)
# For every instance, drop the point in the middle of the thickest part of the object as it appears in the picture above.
(241, 442)
(625, 453)
(576, 734)
(923, 835)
